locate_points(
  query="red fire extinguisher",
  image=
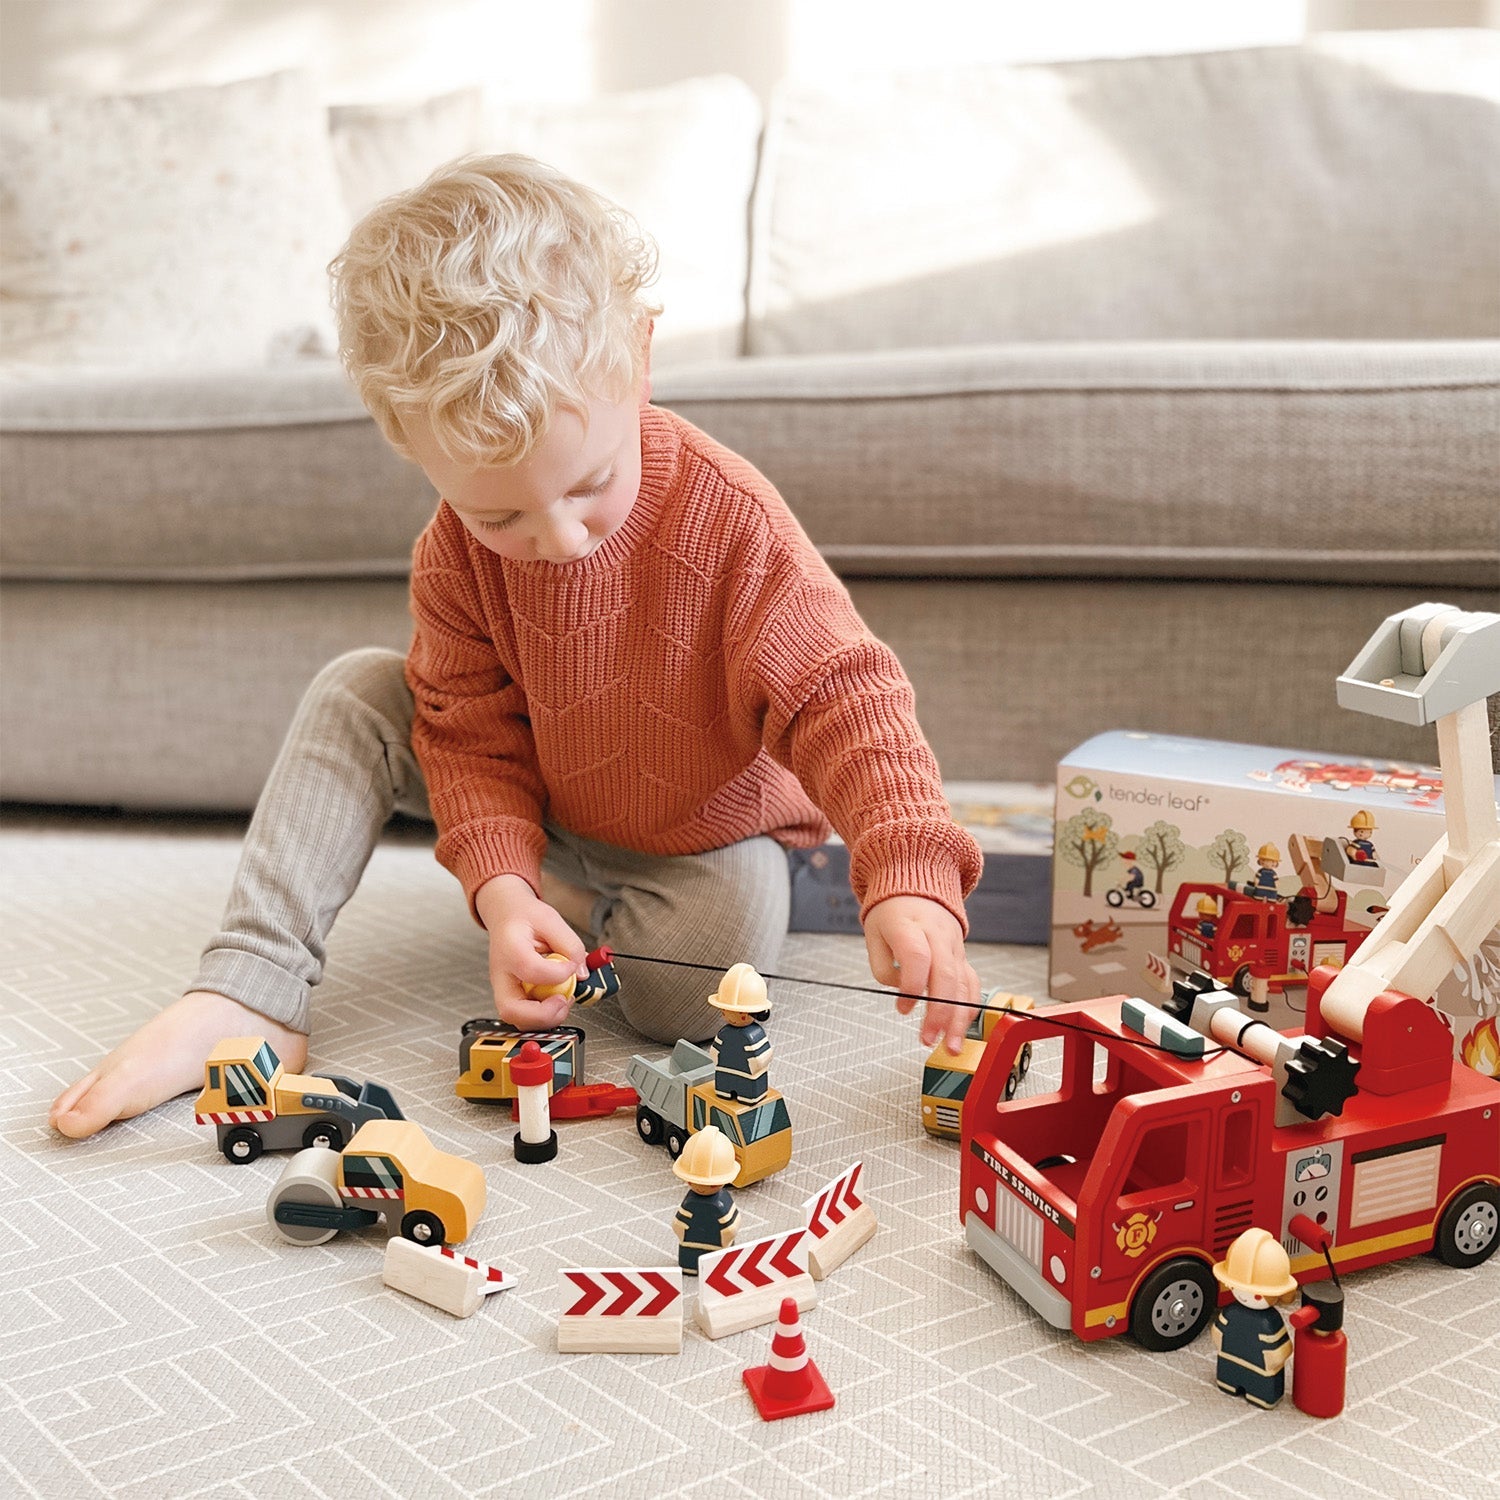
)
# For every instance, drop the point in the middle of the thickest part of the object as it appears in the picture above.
(1320, 1351)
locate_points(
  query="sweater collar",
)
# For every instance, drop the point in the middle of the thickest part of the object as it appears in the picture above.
(661, 451)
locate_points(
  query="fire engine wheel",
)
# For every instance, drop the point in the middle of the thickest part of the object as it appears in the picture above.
(243, 1144)
(676, 1140)
(1240, 984)
(648, 1125)
(1173, 1305)
(325, 1133)
(310, 1177)
(423, 1228)
(1470, 1229)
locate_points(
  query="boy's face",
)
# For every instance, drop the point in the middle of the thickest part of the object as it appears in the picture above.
(560, 502)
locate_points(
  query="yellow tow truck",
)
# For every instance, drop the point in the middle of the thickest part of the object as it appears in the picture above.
(256, 1105)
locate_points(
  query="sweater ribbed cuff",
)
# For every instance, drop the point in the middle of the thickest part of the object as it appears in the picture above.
(937, 861)
(477, 852)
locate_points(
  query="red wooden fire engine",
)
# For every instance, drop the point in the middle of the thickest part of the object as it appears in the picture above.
(1254, 945)
(1104, 1202)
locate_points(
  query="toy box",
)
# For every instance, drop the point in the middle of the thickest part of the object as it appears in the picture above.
(1012, 822)
(1255, 864)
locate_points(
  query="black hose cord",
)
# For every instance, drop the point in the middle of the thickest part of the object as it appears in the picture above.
(870, 989)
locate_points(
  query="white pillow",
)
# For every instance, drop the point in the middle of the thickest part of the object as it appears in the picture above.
(382, 149)
(682, 159)
(190, 227)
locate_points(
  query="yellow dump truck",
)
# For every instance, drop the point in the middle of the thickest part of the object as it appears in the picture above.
(256, 1105)
(677, 1099)
(389, 1169)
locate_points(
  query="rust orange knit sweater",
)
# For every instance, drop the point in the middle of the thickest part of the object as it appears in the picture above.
(674, 691)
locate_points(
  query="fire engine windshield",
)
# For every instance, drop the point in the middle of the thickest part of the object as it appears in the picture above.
(1058, 1133)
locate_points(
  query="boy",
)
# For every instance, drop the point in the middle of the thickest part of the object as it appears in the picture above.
(628, 663)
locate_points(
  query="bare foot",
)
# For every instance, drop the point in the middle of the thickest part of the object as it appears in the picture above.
(164, 1058)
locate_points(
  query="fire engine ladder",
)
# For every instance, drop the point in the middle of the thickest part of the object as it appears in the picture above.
(1430, 664)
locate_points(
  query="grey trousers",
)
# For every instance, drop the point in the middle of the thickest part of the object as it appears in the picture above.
(347, 765)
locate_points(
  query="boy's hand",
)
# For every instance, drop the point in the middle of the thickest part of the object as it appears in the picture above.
(917, 946)
(523, 930)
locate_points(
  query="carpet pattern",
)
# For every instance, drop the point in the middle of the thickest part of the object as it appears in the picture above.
(157, 1339)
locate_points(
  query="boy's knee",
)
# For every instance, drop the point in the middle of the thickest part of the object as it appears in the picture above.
(668, 1005)
(368, 684)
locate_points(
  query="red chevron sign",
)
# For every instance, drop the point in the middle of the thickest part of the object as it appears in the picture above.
(830, 1207)
(615, 1294)
(747, 1268)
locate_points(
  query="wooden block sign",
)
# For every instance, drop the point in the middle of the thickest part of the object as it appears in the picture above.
(441, 1277)
(621, 1312)
(839, 1221)
(742, 1287)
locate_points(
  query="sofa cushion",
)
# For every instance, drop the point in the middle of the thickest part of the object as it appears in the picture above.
(1368, 462)
(681, 159)
(1348, 188)
(190, 226)
(382, 148)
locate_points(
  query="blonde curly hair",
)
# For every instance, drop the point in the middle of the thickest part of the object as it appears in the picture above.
(497, 292)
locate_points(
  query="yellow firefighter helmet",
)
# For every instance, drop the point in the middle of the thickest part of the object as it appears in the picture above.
(708, 1159)
(742, 989)
(563, 987)
(1256, 1262)
(1207, 906)
(1362, 822)
(1268, 854)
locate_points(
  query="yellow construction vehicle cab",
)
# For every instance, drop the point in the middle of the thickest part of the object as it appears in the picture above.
(258, 1106)
(946, 1078)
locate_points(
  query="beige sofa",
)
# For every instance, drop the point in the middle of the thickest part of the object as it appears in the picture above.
(1123, 394)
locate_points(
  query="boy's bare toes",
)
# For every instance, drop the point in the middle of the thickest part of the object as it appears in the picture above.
(86, 1108)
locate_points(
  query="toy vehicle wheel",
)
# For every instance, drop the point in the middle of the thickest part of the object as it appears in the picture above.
(325, 1133)
(1114, 898)
(1023, 1062)
(1173, 1306)
(648, 1126)
(242, 1144)
(1146, 898)
(310, 1178)
(423, 1228)
(1470, 1229)
(1240, 984)
(676, 1140)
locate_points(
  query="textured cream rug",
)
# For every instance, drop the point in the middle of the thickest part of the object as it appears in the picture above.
(156, 1338)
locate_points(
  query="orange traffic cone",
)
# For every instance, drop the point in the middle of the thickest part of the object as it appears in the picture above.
(791, 1383)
